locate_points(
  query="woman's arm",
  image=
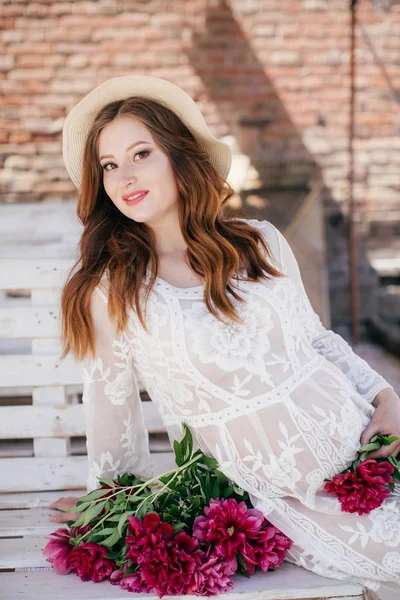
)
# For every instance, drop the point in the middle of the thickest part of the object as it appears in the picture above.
(366, 381)
(117, 439)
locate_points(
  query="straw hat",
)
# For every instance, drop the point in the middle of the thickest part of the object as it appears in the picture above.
(81, 117)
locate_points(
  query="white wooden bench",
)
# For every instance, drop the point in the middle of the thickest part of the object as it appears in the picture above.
(42, 428)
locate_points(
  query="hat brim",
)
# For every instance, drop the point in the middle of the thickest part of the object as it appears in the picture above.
(79, 121)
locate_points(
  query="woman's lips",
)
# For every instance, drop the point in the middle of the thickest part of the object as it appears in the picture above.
(137, 199)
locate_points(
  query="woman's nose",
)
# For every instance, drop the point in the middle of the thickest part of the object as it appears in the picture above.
(127, 174)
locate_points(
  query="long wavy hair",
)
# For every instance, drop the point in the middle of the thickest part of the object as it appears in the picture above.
(218, 246)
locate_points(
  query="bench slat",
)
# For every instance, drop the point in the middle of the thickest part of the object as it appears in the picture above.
(34, 521)
(19, 422)
(35, 499)
(38, 370)
(286, 583)
(27, 322)
(24, 552)
(54, 473)
(29, 273)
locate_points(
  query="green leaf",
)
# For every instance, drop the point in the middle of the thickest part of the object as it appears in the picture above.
(109, 482)
(238, 490)
(82, 506)
(111, 540)
(370, 447)
(91, 513)
(388, 439)
(242, 564)
(121, 522)
(105, 531)
(113, 554)
(131, 569)
(95, 494)
(70, 523)
(134, 499)
(114, 517)
(178, 453)
(363, 456)
(187, 443)
(209, 462)
(146, 507)
(196, 502)
(222, 479)
(227, 492)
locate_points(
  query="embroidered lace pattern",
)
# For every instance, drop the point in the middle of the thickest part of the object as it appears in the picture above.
(278, 399)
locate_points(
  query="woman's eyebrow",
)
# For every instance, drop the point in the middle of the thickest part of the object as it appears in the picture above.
(127, 150)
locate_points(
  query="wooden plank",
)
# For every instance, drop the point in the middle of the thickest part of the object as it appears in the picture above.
(52, 473)
(13, 393)
(18, 422)
(28, 273)
(24, 552)
(38, 370)
(17, 322)
(46, 248)
(26, 322)
(158, 442)
(289, 582)
(27, 522)
(51, 445)
(36, 499)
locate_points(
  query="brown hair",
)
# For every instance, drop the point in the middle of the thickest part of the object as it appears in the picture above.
(218, 246)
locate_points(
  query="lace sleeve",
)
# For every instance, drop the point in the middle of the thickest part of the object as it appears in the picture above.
(116, 437)
(366, 381)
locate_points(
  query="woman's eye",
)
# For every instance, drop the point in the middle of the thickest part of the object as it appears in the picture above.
(104, 167)
(141, 152)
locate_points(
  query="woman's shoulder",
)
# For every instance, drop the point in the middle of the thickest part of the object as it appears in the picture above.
(272, 236)
(103, 287)
(270, 232)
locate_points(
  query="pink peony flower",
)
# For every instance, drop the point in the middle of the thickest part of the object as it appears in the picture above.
(166, 562)
(213, 576)
(230, 525)
(131, 583)
(58, 549)
(170, 568)
(88, 561)
(143, 536)
(363, 490)
(269, 548)
(374, 472)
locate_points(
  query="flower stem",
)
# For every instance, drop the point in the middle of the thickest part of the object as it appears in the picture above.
(151, 497)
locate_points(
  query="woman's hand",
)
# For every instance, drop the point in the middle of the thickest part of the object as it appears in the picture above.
(386, 421)
(61, 503)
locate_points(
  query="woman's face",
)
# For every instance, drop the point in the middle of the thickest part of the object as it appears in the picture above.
(131, 161)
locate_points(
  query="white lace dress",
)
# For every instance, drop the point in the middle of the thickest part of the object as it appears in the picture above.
(279, 401)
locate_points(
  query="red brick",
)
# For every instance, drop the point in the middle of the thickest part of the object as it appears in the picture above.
(227, 63)
(25, 60)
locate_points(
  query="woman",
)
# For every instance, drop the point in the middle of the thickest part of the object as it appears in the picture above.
(210, 311)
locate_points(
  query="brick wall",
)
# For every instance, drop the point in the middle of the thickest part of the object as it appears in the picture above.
(272, 74)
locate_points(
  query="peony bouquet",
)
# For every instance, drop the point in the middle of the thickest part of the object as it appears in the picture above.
(187, 531)
(368, 481)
